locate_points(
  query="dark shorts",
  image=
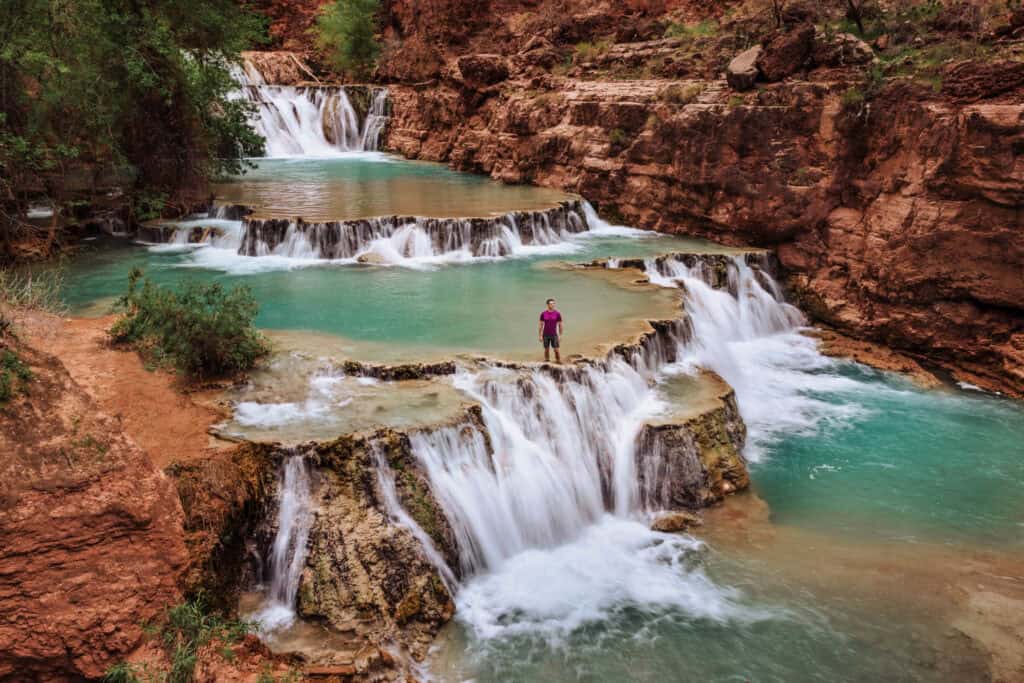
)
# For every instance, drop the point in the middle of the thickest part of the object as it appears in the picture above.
(550, 341)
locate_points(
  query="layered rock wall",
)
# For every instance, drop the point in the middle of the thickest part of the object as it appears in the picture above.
(896, 213)
(91, 533)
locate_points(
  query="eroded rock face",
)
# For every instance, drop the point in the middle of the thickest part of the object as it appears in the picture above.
(91, 539)
(480, 71)
(696, 462)
(838, 190)
(364, 572)
(899, 222)
(786, 53)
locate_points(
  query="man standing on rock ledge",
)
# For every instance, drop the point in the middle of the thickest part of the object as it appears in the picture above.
(549, 330)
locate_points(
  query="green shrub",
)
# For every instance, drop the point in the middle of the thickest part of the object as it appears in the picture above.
(853, 97)
(682, 94)
(587, 51)
(346, 32)
(617, 136)
(122, 672)
(14, 375)
(202, 329)
(704, 29)
(186, 629)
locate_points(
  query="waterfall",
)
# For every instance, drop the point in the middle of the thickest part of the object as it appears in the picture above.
(558, 453)
(398, 515)
(288, 552)
(558, 450)
(387, 240)
(311, 120)
(406, 240)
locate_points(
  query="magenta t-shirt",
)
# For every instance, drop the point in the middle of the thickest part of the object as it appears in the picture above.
(551, 320)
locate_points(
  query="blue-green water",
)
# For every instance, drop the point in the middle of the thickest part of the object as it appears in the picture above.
(363, 185)
(395, 313)
(944, 466)
(879, 511)
(885, 508)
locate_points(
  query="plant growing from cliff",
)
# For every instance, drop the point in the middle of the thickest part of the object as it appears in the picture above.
(587, 52)
(682, 94)
(703, 29)
(346, 31)
(14, 375)
(185, 629)
(202, 329)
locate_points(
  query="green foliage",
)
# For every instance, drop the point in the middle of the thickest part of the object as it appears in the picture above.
(346, 31)
(587, 51)
(682, 94)
(704, 29)
(617, 136)
(122, 672)
(14, 375)
(117, 82)
(853, 97)
(186, 629)
(40, 291)
(148, 205)
(202, 329)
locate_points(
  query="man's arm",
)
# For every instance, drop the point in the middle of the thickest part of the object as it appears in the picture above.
(540, 329)
(561, 326)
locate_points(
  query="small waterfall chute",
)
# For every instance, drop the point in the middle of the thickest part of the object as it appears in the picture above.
(311, 120)
(289, 549)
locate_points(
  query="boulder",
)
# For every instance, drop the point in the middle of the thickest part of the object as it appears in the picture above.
(673, 522)
(970, 81)
(843, 49)
(480, 71)
(742, 70)
(786, 53)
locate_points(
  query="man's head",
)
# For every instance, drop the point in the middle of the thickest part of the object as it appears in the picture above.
(551, 304)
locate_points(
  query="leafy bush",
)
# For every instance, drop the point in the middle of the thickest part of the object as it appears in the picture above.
(346, 32)
(14, 375)
(186, 629)
(586, 51)
(202, 329)
(682, 94)
(704, 29)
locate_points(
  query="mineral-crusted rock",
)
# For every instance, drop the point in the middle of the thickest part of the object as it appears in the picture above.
(678, 520)
(695, 462)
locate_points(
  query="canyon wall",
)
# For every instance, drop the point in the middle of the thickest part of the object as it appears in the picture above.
(894, 205)
(91, 545)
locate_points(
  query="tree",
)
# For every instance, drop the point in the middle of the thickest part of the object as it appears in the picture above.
(97, 84)
(346, 32)
(855, 10)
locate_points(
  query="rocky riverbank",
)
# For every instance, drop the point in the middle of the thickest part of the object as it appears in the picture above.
(893, 201)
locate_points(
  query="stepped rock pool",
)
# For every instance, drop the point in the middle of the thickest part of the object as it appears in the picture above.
(882, 539)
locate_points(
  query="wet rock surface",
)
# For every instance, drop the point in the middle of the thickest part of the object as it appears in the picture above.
(695, 463)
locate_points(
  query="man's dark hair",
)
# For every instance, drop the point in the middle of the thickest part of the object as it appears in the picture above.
(549, 301)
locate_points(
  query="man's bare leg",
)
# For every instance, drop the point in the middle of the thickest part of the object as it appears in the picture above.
(558, 356)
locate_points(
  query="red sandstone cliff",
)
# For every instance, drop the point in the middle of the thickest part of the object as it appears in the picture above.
(91, 542)
(894, 204)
